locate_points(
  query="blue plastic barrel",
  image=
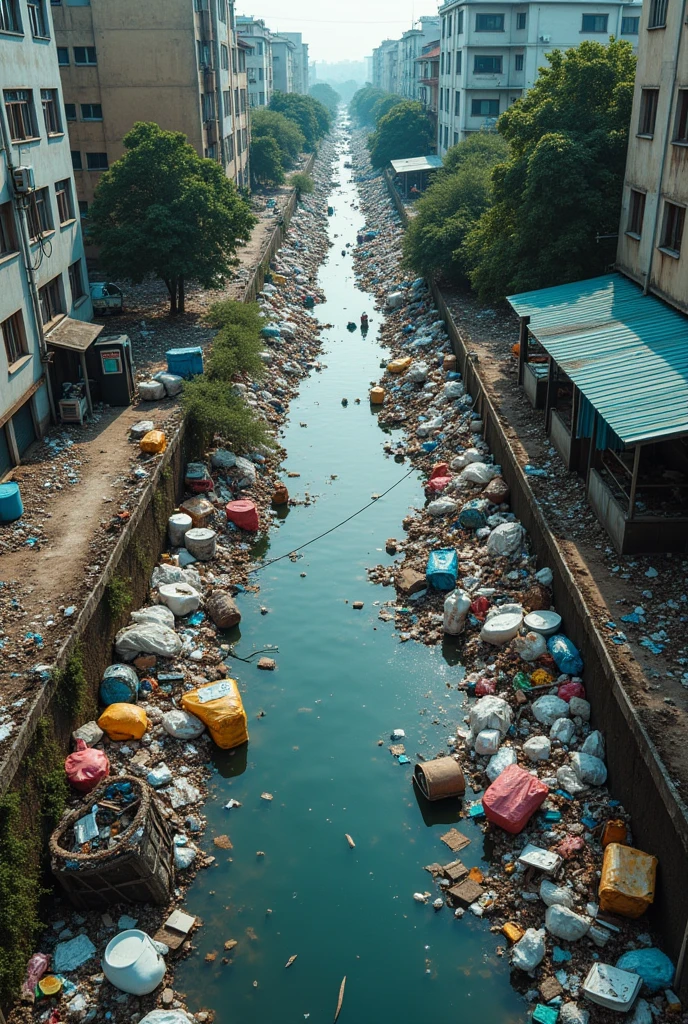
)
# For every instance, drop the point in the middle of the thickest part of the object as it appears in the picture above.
(11, 507)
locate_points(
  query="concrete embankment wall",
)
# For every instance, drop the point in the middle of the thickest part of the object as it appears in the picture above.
(637, 776)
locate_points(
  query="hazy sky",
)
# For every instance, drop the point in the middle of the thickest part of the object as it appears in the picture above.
(339, 31)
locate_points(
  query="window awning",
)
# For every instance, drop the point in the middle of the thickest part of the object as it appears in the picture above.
(417, 163)
(626, 352)
(75, 335)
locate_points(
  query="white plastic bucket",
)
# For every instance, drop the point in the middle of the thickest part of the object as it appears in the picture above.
(180, 598)
(201, 543)
(132, 963)
(177, 525)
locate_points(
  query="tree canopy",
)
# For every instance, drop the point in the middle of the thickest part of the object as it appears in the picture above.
(163, 211)
(405, 131)
(362, 103)
(266, 161)
(454, 201)
(283, 130)
(384, 105)
(312, 118)
(562, 182)
(326, 95)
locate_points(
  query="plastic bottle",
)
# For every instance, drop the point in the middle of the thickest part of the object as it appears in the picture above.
(456, 608)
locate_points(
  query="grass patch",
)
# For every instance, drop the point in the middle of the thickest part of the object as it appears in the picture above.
(71, 692)
(118, 596)
(302, 182)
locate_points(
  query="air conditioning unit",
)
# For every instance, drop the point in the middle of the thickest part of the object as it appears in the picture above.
(545, 39)
(24, 180)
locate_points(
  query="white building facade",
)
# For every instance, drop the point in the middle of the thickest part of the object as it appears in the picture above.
(43, 275)
(491, 52)
(258, 59)
(300, 62)
(283, 52)
(412, 43)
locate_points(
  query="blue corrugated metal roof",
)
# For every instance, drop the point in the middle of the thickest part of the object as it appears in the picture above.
(627, 352)
(417, 163)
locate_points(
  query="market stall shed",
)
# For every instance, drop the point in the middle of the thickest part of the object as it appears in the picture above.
(414, 171)
(616, 406)
(69, 341)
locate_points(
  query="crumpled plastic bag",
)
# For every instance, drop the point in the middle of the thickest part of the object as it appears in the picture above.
(490, 713)
(173, 574)
(531, 646)
(443, 507)
(566, 655)
(182, 724)
(123, 722)
(159, 613)
(505, 540)
(477, 473)
(147, 638)
(528, 951)
(86, 767)
(35, 969)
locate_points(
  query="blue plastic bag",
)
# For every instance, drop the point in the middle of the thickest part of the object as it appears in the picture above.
(442, 569)
(120, 685)
(566, 655)
(472, 515)
(653, 966)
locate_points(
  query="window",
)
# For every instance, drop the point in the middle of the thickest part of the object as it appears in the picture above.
(76, 281)
(459, 23)
(260, 75)
(487, 65)
(648, 111)
(111, 362)
(449, 63)
(97, 161)
(672, 229)
(636, 212)
(50, 299)
(63, 194)
(457, 103)
(629, 26)
(227, 103)
(85, 55)
(658, 12)
(70, 111)
(681, 128)
(229, 142)
(222, 10)
(518, 62)
(39, 214)
(444, 27)
(456, 138)
(446, 137)
(14, 337)
(208, 106)
(243, 101)
(489, 23)
(442, 63)
(91, 112)
(51, 111)
(62, 55)
(485, 108)
(20, 114)
(10, 20)
(459, 55)
(83, 208)
(259, 49)
(8, 242)
(76, 160)
(449, 26)
(594, 23)
(521, 20)
(224, 57)
(37, 19)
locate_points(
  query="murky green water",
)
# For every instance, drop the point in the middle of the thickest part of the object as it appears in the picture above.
(343, 682)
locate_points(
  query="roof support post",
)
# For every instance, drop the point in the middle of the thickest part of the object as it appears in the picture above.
(634, 483)
(82, 357)
(551, 384)
(591, 450)
(522, 346)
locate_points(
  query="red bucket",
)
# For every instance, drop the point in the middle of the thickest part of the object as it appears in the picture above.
(243, 513)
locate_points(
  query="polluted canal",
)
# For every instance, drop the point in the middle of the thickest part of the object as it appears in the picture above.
(318, 765)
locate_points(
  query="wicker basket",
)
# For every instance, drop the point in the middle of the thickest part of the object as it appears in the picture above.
(140, 869)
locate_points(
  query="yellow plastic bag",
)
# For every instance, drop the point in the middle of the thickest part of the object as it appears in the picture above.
(224, 716)
(278, 278)
(123, 722)
(627, 885)
(540, 677)
(153, 442)
(399, 365)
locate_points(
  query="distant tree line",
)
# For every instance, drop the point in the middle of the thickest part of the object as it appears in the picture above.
(291, 125)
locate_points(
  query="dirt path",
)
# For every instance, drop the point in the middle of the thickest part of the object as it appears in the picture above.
(613, 585)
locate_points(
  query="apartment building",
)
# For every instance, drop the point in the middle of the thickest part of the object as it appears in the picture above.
(652, 249)
(386, 65)
(283, 59)
(254, 33)
(300, 62)
(412, 42)
(490, 53)
(44, 292)
(177, 63)
(428, 76)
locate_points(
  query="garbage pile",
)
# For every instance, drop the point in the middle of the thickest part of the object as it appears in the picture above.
(565, 884)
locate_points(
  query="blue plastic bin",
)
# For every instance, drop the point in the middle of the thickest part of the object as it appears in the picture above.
(185, 362)
(11, 507)
(442, 569)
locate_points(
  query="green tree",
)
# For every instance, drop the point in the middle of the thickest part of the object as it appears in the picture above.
(283, 130)
(384, 105)
(562, 182)
(266, 161)
(326, 95)
(238, 343)
(311, 117)
(405, 131)
(163, 211)
(362, 103)
(213, 409)
(302, 182)
(446, 212)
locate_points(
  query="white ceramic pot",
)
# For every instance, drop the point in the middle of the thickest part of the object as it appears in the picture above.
(180, 598)
(132, 963)
(177, 526)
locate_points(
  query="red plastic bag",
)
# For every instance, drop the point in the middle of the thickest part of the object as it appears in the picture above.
(568, 690)
(86, 767)
(243, 513)
(480, 607)
(484, 687)
(513, 798)
(439, 478)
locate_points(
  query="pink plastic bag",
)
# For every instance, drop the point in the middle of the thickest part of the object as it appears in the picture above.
(480, 607)
(484, 687)
(513, 798)
(35, 969)
(86, 767)
(568, 690)
(439, 478)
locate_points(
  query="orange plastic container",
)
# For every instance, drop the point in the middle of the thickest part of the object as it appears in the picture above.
(627, 885)
(377, 396)
(153, 443)
(614, 832)
(399, 365)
